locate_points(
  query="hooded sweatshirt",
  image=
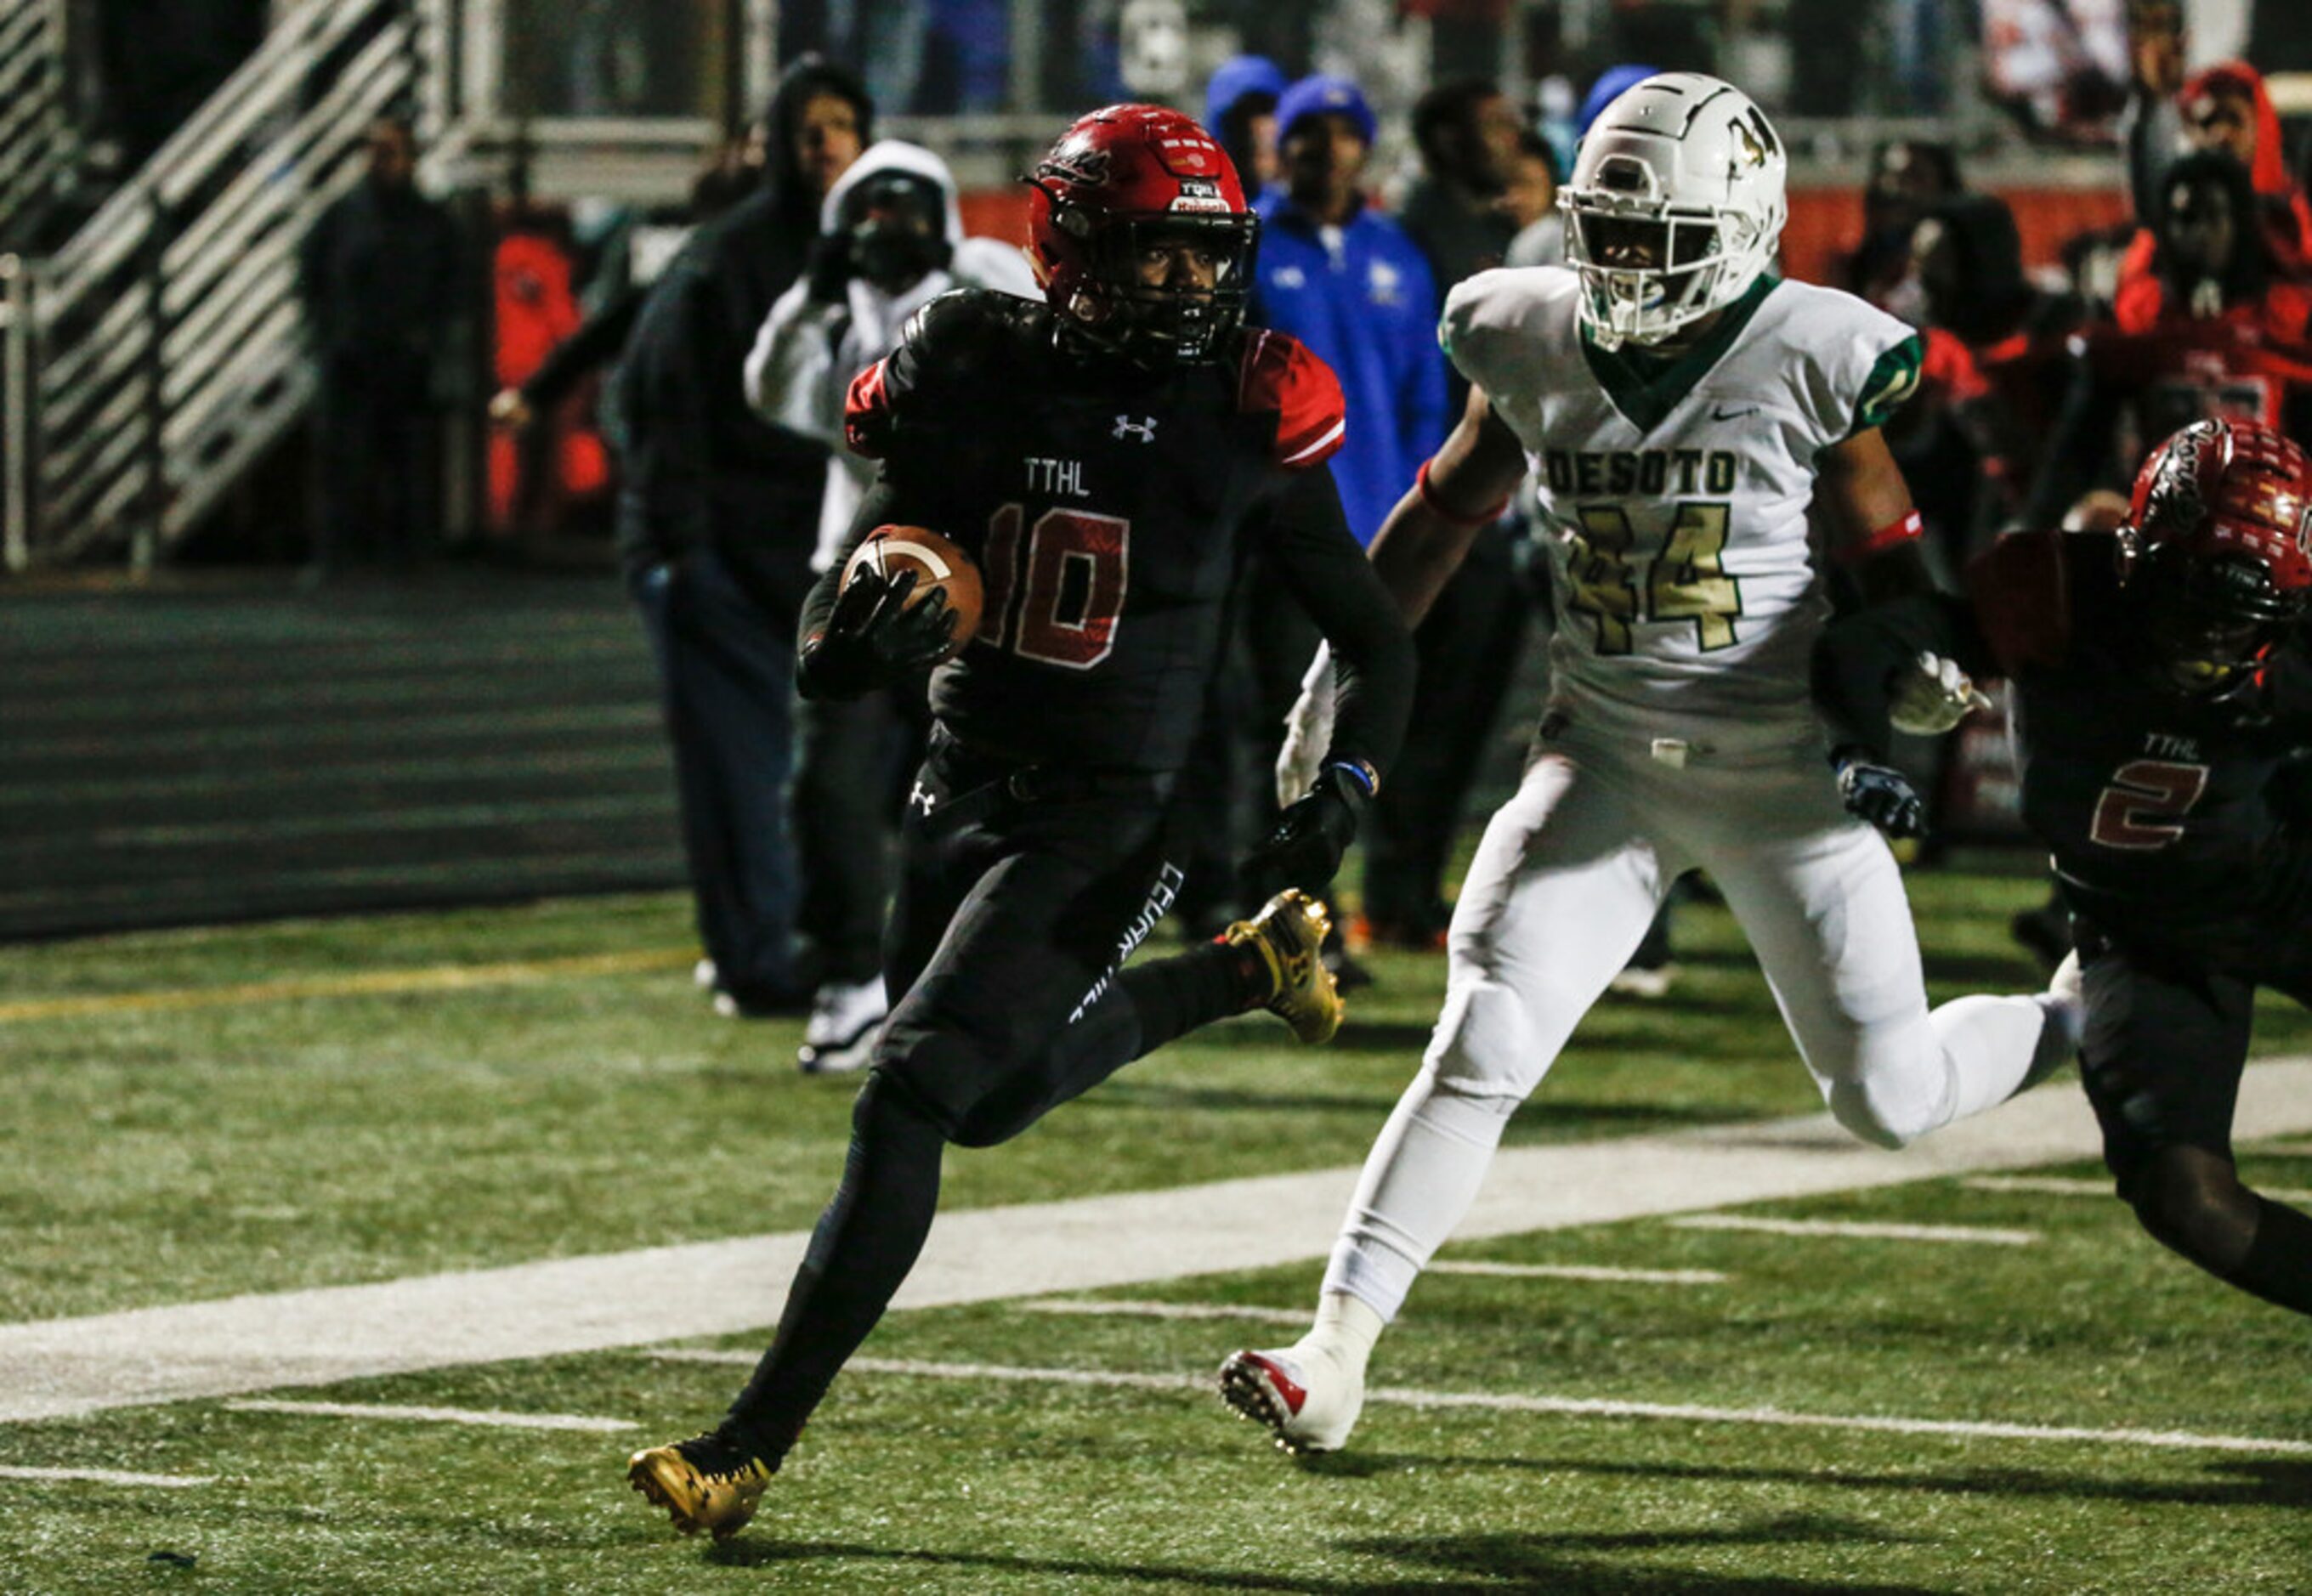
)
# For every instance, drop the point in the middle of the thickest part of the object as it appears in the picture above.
(2280, 200)
(808, 350)
(701, 466)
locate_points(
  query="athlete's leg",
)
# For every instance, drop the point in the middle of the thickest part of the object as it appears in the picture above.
(2166, 1042)
(973, 1053)
(1559, 893)
(1827, 915)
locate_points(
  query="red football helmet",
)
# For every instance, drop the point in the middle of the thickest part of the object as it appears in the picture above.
(1123, 185)
(2219, 531)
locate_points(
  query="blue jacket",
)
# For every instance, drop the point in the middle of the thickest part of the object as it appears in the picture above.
(1365, 305)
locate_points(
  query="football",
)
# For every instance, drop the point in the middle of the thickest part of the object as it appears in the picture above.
(940, 566)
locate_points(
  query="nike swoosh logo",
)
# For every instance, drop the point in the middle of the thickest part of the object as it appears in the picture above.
(1719, 413)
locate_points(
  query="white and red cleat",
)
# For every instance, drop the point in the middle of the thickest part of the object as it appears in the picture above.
(1309, 1404)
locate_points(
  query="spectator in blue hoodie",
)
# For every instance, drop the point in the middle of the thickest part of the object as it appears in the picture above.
(1350, 285)
(1348, 282)
(1241, 111)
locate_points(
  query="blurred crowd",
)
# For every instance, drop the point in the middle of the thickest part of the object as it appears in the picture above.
(810, 241)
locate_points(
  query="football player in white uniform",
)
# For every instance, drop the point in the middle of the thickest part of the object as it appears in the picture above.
(1679, 408)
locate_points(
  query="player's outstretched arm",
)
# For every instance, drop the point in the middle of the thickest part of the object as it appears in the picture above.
(1463, 489)
(1329, 574)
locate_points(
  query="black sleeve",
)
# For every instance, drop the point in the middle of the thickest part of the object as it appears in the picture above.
(1857, 657)
(1328, 571)
(2078, 446)
(596, 344)
(667, 424)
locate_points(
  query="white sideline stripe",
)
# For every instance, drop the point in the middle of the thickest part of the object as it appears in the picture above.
(1583, 1271)
(1119, 1308)
(2079, 1186)
(1578, 1407)
(2285, 1149)
(1983, 1234)
(261, 1342)
(107, 1476)
(446, 1415)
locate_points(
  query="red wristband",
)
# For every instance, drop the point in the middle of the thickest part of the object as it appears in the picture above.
(1894, 532)
(1429, 497)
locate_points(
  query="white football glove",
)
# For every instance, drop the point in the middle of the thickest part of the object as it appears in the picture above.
(1307, 731)
(1932, 695)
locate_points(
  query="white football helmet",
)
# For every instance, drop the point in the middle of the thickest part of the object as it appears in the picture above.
(1684, 175)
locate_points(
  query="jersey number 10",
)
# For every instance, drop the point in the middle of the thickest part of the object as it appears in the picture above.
(1686, 582)
(1075, 573)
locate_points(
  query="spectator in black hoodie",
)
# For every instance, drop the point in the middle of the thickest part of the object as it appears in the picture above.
(718, 515)
(378, 272)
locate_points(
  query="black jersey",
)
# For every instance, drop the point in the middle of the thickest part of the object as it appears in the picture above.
(2158, 806)
(1109, 508)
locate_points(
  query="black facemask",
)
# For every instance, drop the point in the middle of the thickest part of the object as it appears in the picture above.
(896, 222)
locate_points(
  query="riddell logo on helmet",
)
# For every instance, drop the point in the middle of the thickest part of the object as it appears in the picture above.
(1200, 195)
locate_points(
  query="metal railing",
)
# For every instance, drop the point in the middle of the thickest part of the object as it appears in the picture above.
(152, 359)
(36, 130)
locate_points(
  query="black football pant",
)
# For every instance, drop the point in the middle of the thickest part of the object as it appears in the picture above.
(850, 756)
(2164, 1043)
(1022, 892)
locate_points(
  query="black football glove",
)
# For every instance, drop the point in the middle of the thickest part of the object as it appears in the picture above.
(1880, 794)
(1305, 846)
(828, 267)
(874, 637)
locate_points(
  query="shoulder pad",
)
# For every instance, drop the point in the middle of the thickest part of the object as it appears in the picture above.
(1278, 376)
(2021, 590)
(952, 343)
(1504, 308)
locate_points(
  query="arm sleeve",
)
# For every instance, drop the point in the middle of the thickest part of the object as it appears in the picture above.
(1855, 659)
(1327, 571)
(595, 344)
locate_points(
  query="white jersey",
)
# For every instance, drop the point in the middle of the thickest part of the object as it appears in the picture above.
(1674, 508)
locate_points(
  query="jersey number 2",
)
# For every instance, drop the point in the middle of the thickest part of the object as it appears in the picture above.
(1074, 570)
(2139, 809)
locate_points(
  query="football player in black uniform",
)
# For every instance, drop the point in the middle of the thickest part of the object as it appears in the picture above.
(2161, 679)
(1108, 458)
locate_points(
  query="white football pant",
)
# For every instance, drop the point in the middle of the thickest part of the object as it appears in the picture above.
(1568, 878)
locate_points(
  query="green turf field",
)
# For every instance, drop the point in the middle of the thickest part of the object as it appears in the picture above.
(191, 1116)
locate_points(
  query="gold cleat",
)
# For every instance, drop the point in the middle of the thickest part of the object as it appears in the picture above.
(703, 1483)
(1289, 933)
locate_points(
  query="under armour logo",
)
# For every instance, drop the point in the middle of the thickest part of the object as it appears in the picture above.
(1144, 429)
(922, 797)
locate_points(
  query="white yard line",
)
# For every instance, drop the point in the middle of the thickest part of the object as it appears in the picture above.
(1581, 1271)
(1984, 1235)
(264, 1342)
(2079, 1186)
(445, 1416)
(167, 1482)
(1570, 1407)
(1121, 1308)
